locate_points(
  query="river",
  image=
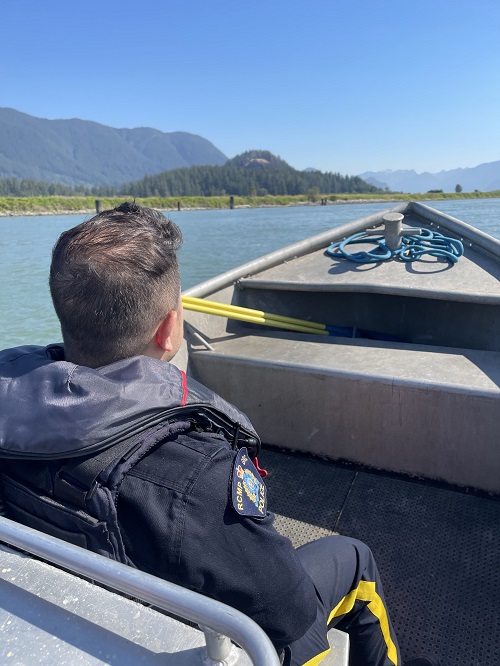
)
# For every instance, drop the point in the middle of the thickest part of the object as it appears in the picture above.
(214, 241)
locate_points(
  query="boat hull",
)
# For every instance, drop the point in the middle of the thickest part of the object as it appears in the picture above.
(423, 403)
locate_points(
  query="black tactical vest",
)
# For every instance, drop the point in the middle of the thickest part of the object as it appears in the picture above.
(82, 508)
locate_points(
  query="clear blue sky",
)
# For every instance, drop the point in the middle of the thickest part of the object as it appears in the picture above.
(340, 86)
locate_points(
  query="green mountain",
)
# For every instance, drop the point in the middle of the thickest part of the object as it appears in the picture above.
(81, 152)
(255, 172)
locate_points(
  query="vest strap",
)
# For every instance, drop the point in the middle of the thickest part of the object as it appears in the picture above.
(76, 480)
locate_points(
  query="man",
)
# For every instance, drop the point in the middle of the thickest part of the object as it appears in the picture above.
(111, 447)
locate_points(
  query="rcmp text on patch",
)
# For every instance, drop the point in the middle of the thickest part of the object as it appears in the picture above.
(248, 492)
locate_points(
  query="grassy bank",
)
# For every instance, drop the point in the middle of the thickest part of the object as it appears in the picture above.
(13, 206)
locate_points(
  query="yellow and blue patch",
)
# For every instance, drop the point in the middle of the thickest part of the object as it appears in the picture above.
(248, 492)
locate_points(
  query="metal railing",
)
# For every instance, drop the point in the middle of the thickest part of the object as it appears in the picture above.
(218, 621)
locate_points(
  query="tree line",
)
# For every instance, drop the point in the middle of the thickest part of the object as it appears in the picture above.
(24, 187)
(228, 180)
(244, 175)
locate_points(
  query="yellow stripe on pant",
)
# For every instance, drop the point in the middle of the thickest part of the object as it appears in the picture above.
(317, 659)
(366, 592)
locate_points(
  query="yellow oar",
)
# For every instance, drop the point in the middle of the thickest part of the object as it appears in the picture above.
(252, 316)
(255, 313)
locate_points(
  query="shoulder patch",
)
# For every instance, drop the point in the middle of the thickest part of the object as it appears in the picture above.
(248, 492)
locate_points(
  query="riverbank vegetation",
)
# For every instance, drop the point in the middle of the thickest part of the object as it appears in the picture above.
(59, 205)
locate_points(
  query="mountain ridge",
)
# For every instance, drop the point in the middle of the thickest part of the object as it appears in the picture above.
(78, 152)
(84, 152)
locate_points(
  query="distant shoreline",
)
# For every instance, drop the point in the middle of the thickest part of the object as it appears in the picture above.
(35, 213)
(58, 205)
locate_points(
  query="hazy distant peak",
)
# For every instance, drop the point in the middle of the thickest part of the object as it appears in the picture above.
(484, 177)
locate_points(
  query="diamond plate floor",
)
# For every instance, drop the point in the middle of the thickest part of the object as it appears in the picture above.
(438, 550)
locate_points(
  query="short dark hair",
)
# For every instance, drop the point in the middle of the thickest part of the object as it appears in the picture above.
(113, 278)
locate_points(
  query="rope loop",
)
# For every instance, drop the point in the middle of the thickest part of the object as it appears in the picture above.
(413, 247)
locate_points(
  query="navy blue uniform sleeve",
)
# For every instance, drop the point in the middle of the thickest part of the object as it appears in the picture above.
(193, 536)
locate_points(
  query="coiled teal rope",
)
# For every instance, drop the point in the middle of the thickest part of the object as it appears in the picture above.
(412, 248)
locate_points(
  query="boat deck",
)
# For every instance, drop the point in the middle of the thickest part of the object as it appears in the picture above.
(475, 277)
(437, 548)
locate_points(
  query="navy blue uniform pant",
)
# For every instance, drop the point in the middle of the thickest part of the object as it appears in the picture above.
(350, 598)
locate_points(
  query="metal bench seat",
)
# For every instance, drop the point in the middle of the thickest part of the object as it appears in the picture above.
(51, 616)
(360, 396)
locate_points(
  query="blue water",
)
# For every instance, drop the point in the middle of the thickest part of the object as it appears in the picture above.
(214, 241)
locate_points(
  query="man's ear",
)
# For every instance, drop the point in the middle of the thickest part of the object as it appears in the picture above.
(163, 335)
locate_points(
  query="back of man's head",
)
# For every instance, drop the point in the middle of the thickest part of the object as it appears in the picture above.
(113, 279)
